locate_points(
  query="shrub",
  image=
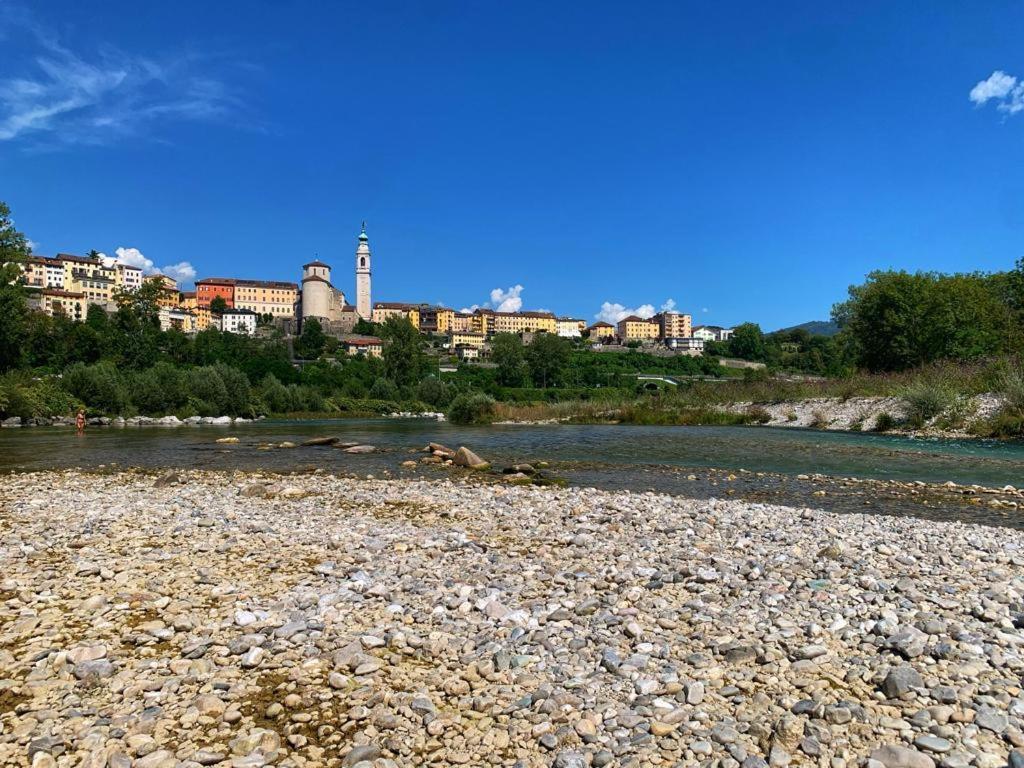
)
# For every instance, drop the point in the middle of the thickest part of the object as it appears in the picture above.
(207, 394)
(434, 392)
(926, 399)
(885, 422)
(472, 409)
(101, 387)
(158, 390)
(384, 389)
(758, 415)
(237, 391)
(819, 420)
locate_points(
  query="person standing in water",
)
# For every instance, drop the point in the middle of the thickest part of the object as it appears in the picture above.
(80, 421)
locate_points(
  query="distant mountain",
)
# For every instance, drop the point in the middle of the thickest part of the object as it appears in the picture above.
(815, 328)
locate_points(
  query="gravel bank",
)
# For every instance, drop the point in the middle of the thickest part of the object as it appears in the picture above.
(219, 619)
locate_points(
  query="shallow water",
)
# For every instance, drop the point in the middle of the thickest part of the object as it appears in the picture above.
(607, 456)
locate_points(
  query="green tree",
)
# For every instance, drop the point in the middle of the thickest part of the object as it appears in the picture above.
(364, 328)
(508, 354)
(310, 343)
(747, 342)
(14, 250)
(218, 305)
(403, 351)
(548, 357)
(898, 320)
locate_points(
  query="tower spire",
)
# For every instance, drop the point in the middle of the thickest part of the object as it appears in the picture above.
(363, 305)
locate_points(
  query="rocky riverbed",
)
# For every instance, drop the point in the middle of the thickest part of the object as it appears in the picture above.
(244, 620)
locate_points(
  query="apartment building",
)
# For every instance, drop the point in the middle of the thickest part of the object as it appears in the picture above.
(601, 330)
(57, 301)
(210, 288)
(673, 325)
(435, 319)
(203, 316)
(459, 339)
(127, 277)
(569, 327)
(635, 328)
(242, 321)
(40, 272)
(369, 346)
(266, 297)
(461, 321)
(169, 297)
(385, 310)
(712, 333)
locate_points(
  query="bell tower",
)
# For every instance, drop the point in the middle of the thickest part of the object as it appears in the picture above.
(363, 306)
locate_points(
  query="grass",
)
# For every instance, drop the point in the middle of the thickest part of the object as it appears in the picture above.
(940, 392)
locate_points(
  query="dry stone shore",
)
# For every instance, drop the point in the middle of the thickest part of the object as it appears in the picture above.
(243, 620)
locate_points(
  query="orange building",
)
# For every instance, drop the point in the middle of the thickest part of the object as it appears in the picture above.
(210, 288)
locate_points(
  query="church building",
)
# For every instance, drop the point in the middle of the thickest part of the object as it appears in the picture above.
(320, 299)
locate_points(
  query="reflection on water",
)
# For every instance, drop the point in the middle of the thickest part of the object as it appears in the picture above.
(606, 455)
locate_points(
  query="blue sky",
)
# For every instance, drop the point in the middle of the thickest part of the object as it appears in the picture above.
(746, 160)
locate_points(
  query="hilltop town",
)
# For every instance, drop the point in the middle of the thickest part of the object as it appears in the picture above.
(68, 284)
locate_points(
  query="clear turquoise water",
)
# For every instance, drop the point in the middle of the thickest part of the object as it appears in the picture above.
(609, 456)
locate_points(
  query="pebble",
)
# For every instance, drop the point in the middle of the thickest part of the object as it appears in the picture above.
(379, 623)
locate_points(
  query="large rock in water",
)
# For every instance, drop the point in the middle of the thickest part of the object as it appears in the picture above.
(361, 449)
(442, 451)
(466, 458)
(321, 441)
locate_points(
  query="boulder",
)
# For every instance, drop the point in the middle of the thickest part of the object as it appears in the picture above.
(442, 451)
(321, 441)
(361, 449)
(227, 439)
(466, 458)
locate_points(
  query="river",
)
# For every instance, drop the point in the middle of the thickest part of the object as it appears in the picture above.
(694, 461)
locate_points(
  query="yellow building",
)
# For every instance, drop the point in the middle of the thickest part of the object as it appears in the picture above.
(384, 310)
(635, 328)
(169, 297)
(90, 277)
(459, 339)
(488, 322)
(601, 330)
(55, 301)
(461, 321)
(369, 346)
(482, 321)
(202, 315)
(673, 325)
(435, 319)
(266, 297)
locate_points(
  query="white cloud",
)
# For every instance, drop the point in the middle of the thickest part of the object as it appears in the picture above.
(183, 271)
(63, 97)
(502, 300)
(33, 246)
(1004, 89)
(669, 305)
(613, 313)
(507, 301)
(133, 257)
